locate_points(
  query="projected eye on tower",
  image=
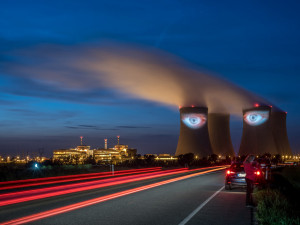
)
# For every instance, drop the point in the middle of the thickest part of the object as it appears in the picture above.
(194, 120)
(194, 137)
(255, 118)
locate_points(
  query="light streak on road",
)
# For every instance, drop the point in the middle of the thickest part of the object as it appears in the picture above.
(29, 195)
(70, 178)
(79, 205)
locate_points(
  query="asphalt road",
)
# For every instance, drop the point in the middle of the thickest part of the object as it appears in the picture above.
(172, 203)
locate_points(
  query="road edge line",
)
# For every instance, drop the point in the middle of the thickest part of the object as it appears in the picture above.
(190, 216)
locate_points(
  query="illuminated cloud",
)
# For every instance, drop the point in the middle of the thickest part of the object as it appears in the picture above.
(133, 72)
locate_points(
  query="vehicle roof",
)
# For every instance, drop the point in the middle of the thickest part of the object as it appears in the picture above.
(237, 166)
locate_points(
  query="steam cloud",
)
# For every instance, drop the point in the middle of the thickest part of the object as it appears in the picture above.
(137, 72)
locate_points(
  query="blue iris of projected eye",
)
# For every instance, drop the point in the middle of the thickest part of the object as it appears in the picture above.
(194, 120)
(255, 118)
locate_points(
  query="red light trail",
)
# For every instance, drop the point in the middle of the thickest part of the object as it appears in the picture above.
(79, 205)
(63, 179)
(69, 176)
(29, 195)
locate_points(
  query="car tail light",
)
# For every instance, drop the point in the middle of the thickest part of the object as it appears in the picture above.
(257, 173)
(229, 172)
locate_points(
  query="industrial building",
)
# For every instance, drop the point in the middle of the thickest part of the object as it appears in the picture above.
(264, 131)
(278, 125)
(106, 155)
(73, 155)
(219, 134)
(203, 134)
(194, 137)
(257, 137)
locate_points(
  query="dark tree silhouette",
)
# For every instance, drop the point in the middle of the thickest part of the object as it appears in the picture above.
(186, 159)
(149, 159)
(213, 158)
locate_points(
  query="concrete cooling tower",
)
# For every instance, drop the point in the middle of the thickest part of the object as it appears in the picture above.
(193, 137)
(219, 134)
(278, 124)
(257, 135)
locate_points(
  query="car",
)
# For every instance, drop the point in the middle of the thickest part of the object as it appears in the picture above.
(235, 176)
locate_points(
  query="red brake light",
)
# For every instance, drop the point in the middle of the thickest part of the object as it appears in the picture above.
(229, 172)
(257, 173)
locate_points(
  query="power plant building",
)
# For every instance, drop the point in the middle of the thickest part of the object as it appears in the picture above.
(106, 155)
(193, 137)
(219, 134)
(73, 155)
(257, 137)
(278, 124)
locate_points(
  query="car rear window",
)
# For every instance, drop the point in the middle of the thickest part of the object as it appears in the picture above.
(237, 166)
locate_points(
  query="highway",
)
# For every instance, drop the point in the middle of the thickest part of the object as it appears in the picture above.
(155, 197)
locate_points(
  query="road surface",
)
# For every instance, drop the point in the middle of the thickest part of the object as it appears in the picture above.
(196, 200)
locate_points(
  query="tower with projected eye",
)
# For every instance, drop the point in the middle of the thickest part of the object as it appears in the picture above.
(219, 134)
(257, 135)
(193, 137)
(278, 124)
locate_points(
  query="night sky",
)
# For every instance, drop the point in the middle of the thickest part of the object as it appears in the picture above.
(252, 44)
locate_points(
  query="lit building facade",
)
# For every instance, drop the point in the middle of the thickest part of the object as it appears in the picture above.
(107, 156)
(79, 154)
(166, 157)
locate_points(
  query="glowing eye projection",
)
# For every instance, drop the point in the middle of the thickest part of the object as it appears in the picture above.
(194, 120)
(255, 118)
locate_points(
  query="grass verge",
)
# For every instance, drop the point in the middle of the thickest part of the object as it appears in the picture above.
(279, 202)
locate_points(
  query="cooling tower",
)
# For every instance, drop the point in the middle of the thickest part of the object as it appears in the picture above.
(278, 124)
(193, 137)
(219, 134)
(257, 135)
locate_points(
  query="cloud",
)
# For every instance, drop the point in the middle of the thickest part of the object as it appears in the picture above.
(29, 87)
(81, 73)
(88, 127)
(132, 127)
(16, 85)
(6, 102)
(25, 112)
(42, 115)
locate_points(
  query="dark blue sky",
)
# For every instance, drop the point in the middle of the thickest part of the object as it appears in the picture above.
(253, 44)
